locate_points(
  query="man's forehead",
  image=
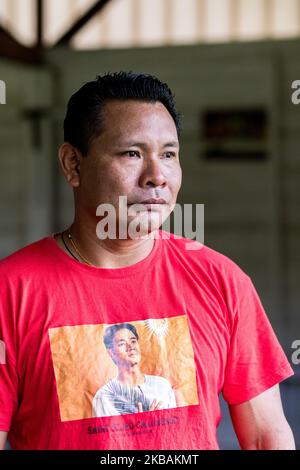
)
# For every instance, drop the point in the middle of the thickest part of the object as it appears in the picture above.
(134, 111)
(125, 331)
(138, 126)
(113, 104)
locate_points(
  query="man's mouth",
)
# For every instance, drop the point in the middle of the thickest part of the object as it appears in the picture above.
(151, 204)
(154, 201)
(151, 201)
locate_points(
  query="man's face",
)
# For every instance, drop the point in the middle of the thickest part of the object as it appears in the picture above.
(136, 155)
(125, 350)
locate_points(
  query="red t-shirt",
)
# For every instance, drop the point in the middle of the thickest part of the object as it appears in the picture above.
(201, 331)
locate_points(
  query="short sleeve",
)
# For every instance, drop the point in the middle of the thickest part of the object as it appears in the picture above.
(8, 369)
(256, 360)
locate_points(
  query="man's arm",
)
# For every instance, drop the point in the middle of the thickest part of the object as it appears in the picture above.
(3, 437)
(260, 423)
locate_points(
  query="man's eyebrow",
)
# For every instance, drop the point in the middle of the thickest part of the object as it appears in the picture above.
(133, 143)
(131, 337)
(172, 144)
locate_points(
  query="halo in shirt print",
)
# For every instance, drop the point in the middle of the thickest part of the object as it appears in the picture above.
(123, 368)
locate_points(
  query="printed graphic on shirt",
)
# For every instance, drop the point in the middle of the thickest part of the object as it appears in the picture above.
(123, 368)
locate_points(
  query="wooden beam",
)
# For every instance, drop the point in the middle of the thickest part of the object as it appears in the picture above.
(39, 23)
(10, 48)
(82, 21)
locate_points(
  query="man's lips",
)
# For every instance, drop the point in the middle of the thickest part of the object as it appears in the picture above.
(150, 205)
(150, 201)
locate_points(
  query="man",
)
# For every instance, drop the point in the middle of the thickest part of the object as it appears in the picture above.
(131, 391)
(121, 139)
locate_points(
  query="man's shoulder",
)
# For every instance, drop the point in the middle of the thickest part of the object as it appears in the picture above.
(28, 257)
(200, 256)
(157, 380)
(107, 389)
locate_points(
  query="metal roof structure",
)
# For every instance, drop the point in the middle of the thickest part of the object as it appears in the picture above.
(29, 27)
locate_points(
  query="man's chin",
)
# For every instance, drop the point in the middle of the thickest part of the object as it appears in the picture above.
(134, 228)
(133, 364)
(145, 224)
(143, 233)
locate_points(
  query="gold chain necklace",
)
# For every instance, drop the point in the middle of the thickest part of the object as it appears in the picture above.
(77, 250)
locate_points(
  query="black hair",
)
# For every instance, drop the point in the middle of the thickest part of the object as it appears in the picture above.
(84, 117)
(111, 331)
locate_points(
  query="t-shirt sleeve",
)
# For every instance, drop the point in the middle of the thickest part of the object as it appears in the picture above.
(8, 368)
(256, 360)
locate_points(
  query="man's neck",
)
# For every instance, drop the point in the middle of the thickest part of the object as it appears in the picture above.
(131, 377)
(106, 253)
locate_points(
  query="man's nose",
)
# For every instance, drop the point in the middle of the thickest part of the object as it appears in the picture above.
(152, 174)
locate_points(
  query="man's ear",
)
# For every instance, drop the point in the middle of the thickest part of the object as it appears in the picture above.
(70, 159)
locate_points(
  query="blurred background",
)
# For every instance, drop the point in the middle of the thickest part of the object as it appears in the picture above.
(231, 64)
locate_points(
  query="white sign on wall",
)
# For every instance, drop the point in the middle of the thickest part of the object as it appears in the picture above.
(2, 92)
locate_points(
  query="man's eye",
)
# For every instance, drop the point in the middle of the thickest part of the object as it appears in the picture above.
(132, 153)
(170, 154)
